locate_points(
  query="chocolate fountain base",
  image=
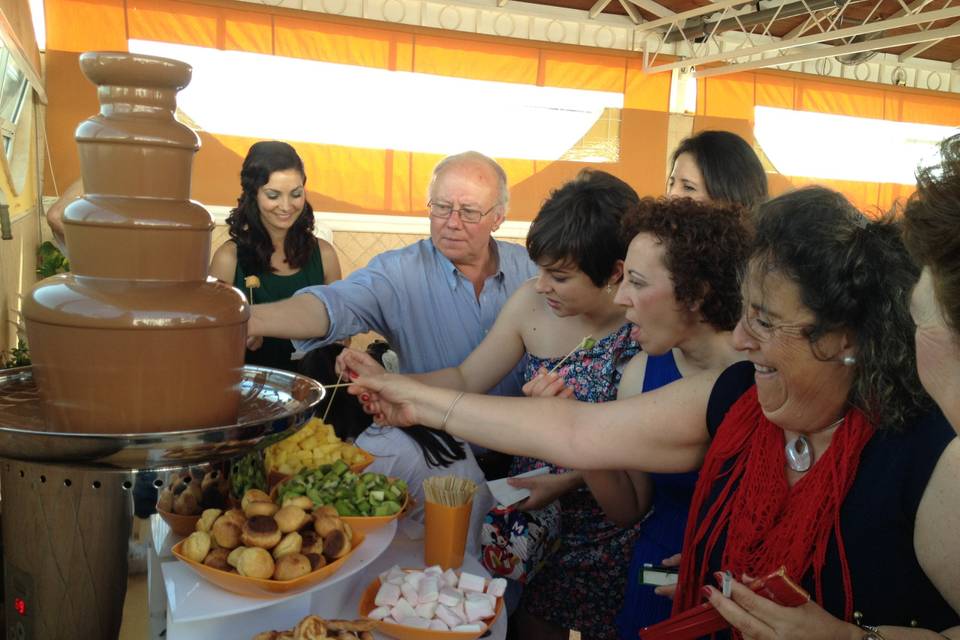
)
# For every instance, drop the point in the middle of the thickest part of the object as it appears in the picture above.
(68, 498)
(65, 533)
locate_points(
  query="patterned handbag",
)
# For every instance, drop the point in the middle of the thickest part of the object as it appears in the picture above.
(515, 543)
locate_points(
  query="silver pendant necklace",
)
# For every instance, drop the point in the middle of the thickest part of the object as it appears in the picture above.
(798, 452)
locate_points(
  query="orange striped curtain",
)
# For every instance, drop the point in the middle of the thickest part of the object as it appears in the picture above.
(346, 178)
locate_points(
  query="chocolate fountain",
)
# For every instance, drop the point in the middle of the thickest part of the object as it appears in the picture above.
(138, 362)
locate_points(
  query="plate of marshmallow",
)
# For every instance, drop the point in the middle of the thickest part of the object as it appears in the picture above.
(433, 604)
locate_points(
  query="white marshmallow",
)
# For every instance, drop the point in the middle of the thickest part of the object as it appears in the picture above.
(427, 610)
(450, 577)
(428, 590)
(449, 597)
(379, 613)
(415, 622)
(403, 609)
(477, 607)
(470, 582)
(450, 618)
(497, 587)
(414, 578)
(468, 627)
(393, 571)
(435, 570)
(410, 593)
(388, 595)
(439, 625)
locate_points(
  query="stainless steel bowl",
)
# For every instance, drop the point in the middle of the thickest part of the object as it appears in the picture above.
(274, 403)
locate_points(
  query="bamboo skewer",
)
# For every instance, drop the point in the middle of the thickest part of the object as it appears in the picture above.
(449, 491)
(580, 345)
(332, 396)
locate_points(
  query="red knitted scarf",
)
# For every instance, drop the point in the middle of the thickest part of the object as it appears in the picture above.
(767, 522)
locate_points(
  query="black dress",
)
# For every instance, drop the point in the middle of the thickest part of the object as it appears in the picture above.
(876, 518)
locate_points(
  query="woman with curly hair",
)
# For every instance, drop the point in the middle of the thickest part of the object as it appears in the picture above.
(822, 454)
(271, 237)
(681, 290)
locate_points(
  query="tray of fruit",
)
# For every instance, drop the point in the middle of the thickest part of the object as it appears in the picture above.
(366, 501)
(433, 604)
(315, 445)
(264, 549)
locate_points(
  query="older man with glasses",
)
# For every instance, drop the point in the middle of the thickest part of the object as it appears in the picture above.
(433, 300)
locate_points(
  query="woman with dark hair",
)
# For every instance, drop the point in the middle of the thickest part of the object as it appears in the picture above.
(577, 244)
(271, 237)
(681, 291)
(821, 454)
(717, 166)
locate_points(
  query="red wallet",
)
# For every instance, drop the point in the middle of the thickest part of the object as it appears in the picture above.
(703, 619)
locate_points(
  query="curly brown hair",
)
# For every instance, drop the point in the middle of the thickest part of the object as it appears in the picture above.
(931, 221)
(856, 275)
(705, 249)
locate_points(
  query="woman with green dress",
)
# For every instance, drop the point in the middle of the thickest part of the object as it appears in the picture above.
(272, 252)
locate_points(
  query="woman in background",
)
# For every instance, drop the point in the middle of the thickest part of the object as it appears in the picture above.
(271, 237)
(717, 166)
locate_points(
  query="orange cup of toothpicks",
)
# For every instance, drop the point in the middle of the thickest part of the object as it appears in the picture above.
(449, 501)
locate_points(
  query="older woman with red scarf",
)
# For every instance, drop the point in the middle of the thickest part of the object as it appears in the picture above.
(822, 453)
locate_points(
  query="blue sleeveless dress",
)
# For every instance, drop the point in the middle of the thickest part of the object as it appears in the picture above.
(661, 532)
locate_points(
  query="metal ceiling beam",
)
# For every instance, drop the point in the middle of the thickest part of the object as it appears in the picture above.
(738, 22)
(656, 9)
(598, 8)
(827, 52)
(849, 32)
(631, 11)
(917, 49)
(692, 13)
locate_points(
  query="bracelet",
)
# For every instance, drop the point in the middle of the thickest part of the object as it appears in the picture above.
(446, 416)
(870, 632)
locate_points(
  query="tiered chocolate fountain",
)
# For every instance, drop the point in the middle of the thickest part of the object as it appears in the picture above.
(138, 362)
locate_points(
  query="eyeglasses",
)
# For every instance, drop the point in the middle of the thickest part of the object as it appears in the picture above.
(762, 329)
(442, 210)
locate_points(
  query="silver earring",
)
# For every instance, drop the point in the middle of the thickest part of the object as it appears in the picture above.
(848, 361)
(609, 288)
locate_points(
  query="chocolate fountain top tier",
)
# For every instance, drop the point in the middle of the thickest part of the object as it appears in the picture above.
(135, 146)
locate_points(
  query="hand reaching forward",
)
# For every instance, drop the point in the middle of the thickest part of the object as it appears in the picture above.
(543, 489)
(547, 385)
(359, 362)
(389, 398)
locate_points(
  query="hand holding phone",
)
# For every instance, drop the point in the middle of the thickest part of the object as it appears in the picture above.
(658, 575)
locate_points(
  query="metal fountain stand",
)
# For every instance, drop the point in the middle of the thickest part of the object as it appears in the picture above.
(68, 498)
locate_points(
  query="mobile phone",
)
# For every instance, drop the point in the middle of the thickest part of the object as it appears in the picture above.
(658, 575)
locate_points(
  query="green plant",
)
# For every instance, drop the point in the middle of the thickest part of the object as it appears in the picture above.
(50, 260)
(19, 356)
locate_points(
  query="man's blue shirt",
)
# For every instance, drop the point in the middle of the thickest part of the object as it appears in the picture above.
(425, 308)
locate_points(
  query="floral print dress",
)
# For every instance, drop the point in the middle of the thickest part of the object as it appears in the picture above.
(581, 585)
